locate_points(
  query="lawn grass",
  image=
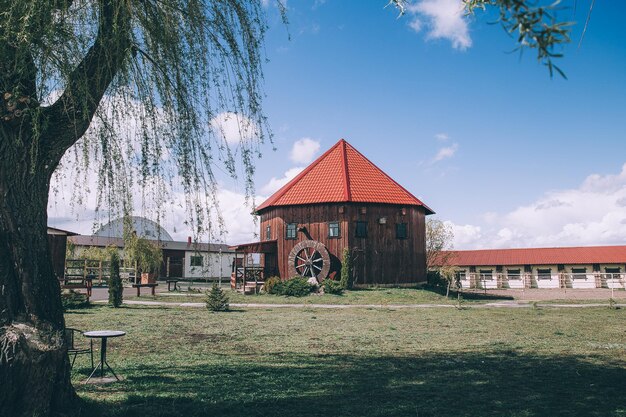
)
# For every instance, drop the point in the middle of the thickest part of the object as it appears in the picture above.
(369, 296)
(359, 362)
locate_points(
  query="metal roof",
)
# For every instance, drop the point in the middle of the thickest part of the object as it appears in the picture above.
(170, 244)
(539, 256)
(342, 174)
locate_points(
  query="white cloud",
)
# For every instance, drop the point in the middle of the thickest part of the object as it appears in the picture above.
(304, 150)
(444, 20)
(274, 184)
(232, 127)
(446, 152)
(592, 214)
(442, 137)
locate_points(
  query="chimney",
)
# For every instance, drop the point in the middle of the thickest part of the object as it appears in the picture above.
(188, 241)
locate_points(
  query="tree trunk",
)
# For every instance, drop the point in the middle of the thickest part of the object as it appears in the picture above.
(34, 366)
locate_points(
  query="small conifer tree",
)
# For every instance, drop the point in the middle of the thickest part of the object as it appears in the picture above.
(216, 299)
(115, 281)
(346, 269)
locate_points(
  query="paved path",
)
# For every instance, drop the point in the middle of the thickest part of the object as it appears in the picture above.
(500, 304)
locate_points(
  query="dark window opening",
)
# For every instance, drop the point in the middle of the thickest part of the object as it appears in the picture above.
(460, 275)
(596, 267)
(544, 274)
(361, 229)
(528, 268)
(513, 274)
(472, 269)
(486, 274)
(401, 231)
(560, 267)
(268, 233)
(499, 268)
(333, 230)
(196, 260)
(292, 230)
(579, 273)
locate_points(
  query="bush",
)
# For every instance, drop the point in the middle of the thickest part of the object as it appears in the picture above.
(270, 285)
(346, 269)
(294, 287)
(333, 287)
(71, 299)
(115, 282)
(216, 299)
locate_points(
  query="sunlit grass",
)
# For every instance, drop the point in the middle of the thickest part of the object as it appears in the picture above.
(360, 362)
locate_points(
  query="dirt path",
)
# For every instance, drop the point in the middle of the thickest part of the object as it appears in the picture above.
(499, 304)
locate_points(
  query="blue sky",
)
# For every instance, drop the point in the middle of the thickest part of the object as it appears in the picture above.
(506, 154)
(354, 70)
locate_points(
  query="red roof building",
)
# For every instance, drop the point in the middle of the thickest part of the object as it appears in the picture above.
(342, 200)
(566, 267)
(342, 175)
(585, 255)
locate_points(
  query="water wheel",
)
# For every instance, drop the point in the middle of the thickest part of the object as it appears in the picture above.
(309, 259)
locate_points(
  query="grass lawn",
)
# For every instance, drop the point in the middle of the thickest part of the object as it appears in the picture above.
(359, 362)
(378, 296)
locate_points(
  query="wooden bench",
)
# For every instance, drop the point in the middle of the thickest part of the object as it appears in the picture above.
(140, 286)
(69, 283)
(170, 282)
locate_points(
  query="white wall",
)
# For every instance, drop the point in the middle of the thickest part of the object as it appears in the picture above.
(213, 264)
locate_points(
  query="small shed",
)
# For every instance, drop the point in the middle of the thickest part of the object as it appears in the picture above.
(342, 200)
(57, 244)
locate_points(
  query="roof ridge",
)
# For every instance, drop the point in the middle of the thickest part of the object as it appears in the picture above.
(346, 174)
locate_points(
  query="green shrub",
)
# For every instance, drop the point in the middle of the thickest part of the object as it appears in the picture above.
(115, 282)
(216, 299)
(346, 269)
(72, 299)
(294, 287)
(333, 287)
(270, 285)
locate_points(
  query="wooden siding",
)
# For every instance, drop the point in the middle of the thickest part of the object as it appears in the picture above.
(379, 259)
(57, 245)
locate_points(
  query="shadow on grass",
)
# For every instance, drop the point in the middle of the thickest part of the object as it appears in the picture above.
(496, 383)
(467, 295)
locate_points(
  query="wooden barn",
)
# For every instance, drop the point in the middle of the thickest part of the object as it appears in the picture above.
(342, 200)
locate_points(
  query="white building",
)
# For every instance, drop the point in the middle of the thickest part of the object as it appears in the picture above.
(573, 267)
(186, 260)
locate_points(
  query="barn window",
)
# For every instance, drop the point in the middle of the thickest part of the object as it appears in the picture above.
(361, 229)
(615, 272)
(291, 230)
(268, 233)
(513, 274)
(486, 274)
(196, 260)
(544, 273)
(334, 230)
(579, 273)
(460, 275)
(401, 231)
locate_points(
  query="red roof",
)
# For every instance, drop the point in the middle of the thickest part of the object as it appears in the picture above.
(341, 175)
(540, 256)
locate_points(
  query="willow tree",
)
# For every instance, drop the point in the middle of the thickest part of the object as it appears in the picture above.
(133, 86)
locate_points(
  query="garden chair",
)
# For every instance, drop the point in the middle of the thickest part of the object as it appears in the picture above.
(75, 349)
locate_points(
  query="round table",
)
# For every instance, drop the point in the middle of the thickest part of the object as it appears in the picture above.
(103, 335)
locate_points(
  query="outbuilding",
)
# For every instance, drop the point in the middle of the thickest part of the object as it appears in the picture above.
(565, 267)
